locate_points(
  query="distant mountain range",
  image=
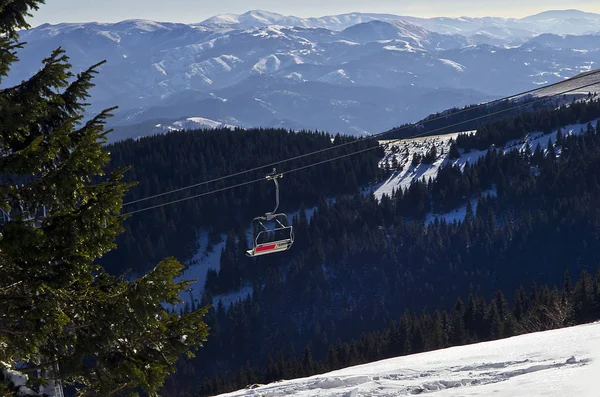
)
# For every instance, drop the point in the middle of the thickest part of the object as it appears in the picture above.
(353, 73)
(558, 22)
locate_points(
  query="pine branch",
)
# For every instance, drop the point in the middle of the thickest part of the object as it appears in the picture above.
(8, 55)
(118, 389)
(11, 332)
(13, 14)
(97, 121)
(78, 91)
(10, 286)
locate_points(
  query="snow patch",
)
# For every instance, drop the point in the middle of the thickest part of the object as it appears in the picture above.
(197, 123)
(227, 299)
(295, 76)
(403, 152)
(112, 36)
(459, 214)
(207, 257)
(269, 64)
(347, 42)
(455, 65)
(337, 77)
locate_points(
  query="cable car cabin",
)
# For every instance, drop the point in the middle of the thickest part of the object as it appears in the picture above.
(269, 237)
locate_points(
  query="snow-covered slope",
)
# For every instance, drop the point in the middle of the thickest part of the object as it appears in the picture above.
(165, 125)
(587, 79)
(399, 155)
(555, 363)
(257, 18)
(565, 21)
(194, 123)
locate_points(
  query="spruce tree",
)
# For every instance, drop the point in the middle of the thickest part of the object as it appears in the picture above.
(61, 313)
(454, 151)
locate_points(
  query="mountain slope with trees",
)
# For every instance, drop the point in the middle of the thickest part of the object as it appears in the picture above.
(165, 162)
(359, 263)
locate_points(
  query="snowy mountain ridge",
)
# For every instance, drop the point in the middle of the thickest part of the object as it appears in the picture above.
(354, 73)
(557, 21)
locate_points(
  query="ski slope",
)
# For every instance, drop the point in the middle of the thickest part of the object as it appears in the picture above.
(555, 363)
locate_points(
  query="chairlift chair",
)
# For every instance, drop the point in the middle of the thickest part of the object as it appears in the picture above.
(272, 232)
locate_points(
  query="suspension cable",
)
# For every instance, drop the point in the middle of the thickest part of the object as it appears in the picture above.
(374, 136)
(521, 105)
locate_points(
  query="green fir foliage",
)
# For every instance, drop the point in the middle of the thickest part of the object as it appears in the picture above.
(60, 312)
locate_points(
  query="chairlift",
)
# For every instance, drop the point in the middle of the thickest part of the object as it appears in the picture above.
(272, 232)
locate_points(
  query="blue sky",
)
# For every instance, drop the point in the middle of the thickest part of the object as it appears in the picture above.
(188, 11)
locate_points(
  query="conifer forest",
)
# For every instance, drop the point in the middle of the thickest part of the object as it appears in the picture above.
(96, 237)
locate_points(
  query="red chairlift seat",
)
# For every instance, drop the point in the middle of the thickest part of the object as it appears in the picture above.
(272, 232)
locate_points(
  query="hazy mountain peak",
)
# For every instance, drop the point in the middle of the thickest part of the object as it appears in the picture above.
(262, 14)
(560, 14)
(142, 24)
(252, 19)
(385, 30)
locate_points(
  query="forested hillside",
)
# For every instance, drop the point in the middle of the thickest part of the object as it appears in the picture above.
(359, 263)
(548, 119)
(470, 117)
(165, 162)
(506, 116)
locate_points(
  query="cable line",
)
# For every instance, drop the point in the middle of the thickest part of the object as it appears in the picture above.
(194, 197)
(374, 136)
(347, 154)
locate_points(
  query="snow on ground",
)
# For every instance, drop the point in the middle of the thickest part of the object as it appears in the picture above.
(209, 258)
(555, 363)
(190, 123)
(335, 77)
(269, 64)
(205, 258)
(404, 151)
(193, 123)
(459, 213)
(455, 65)
(583, 79)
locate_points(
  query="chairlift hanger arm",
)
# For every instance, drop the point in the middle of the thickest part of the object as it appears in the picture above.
(273, 177)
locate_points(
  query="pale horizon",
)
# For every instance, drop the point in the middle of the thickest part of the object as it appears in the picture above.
(188, 11)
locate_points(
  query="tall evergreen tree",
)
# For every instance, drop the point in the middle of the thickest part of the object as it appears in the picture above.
(60, 312)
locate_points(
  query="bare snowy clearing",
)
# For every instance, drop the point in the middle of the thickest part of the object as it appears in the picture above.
(404, 151)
